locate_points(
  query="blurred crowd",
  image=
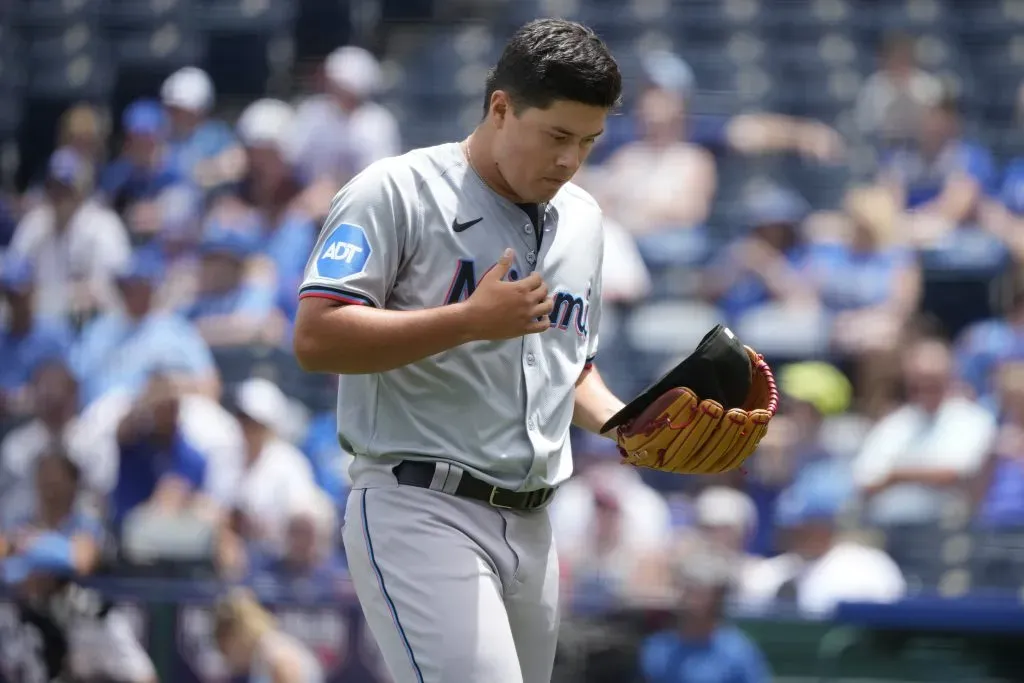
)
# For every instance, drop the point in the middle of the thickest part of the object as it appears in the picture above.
(133, 272)
(142, 265)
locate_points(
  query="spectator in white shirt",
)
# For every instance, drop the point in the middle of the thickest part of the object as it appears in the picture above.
(893, 99)
(75, 244)
(819, 569)
(276, 475)
(915, 463)
(342, 131)
(605, 519)
(55, 424)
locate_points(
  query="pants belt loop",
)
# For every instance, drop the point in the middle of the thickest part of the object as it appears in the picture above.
(452, 480)
(441, 470)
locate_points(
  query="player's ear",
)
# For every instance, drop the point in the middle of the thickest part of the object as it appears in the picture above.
(499, 107)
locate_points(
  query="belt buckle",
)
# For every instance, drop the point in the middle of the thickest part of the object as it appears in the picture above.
(490, 499)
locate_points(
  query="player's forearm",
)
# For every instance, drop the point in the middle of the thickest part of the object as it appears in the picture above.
(354, 340)
(595, 403)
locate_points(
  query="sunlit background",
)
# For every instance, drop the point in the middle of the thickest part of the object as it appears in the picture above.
(841, 181)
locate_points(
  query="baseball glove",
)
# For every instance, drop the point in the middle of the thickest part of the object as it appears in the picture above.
(706, 415)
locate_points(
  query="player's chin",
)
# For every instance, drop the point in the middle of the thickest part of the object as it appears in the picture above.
(546, 189)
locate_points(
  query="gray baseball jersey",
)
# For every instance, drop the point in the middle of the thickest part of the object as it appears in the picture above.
(419, 231)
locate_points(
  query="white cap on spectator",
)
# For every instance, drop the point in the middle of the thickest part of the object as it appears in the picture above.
(266, 122)
(720, 506)
(318, 508)
(261, 400)
(189, 88)
(353, 69)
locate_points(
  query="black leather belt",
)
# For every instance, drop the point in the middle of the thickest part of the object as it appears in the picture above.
(421, 474)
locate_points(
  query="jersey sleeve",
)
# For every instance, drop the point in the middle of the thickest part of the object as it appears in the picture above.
(356, 258)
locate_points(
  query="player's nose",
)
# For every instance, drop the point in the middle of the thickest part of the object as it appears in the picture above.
(568, 161)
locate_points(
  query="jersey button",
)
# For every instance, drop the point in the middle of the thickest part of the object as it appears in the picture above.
(527, 228)
(531, 257)
(530, 359)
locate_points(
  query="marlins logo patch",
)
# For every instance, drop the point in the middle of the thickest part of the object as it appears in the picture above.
(344, 253)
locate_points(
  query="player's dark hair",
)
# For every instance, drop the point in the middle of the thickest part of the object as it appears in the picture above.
(553, 59)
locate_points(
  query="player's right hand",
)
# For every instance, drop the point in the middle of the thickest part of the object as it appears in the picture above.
(503, 310)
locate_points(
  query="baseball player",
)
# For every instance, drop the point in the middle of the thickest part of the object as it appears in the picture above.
(456, 290)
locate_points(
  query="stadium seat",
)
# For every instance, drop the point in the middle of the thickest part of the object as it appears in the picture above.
(165, 47)
(133, 14)
(65, 40)
(87, 75)
(918, 550)
(50, 13)
(670, 328)
(247, 16)
(997, 560)
(781, 332)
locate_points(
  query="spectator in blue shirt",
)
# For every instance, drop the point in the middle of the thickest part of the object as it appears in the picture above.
(984, 345)
(157, 465)
(941, 179)
(871, 285)
(61, 537)
(25, 338)
(202, 149)
(330, 463)
(142, 169)
(703, 647)
(229, 308)
(310, 554)
(119, 349)
(763, 266)
(1003, 215)
(999, 487)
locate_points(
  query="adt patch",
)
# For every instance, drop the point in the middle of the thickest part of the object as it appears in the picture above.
(344, 253)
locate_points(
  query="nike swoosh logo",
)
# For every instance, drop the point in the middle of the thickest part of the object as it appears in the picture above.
(459, 227)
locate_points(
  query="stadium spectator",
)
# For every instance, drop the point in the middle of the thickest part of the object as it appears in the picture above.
(119, 349)
(329, 462)
(871, 285)
(999, 487)
(893, 100)
(660, 187)
(604, 519)
(310, 553)
(201, 148)
(85, 129)
(750, 133)
(229, 308)
(727, 517)
(941, 179)
(57, 534)
(276, 476)
(797, 451)
(915, 462)
(764, 265)
(158, 467)
(253, 645)
(982, 346)
(702, 646)
(142, 168)
(74, 243)
(25, 338)
(342, 131)
(55, 423)
(819, 568)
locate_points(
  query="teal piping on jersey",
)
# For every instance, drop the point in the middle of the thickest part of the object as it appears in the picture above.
(384, 591)
(345, 297)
